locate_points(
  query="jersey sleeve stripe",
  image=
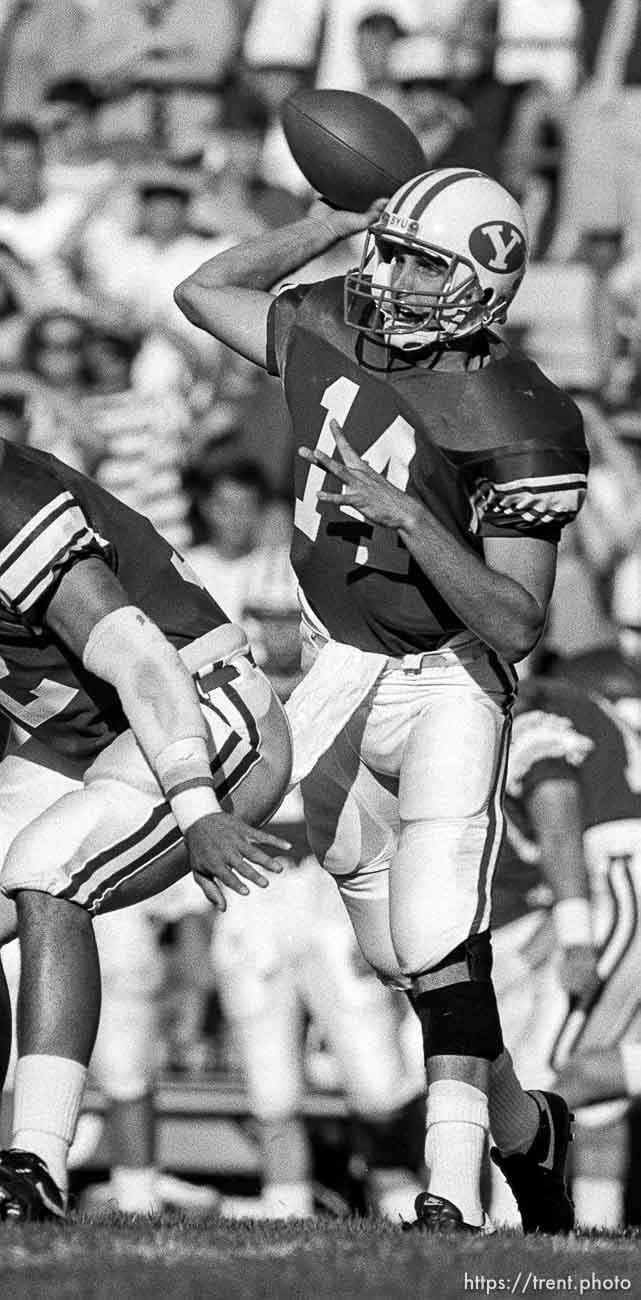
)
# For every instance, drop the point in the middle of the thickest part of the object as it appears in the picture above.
(557, 481)
(29, 595)
(25, 576)
(33, 527)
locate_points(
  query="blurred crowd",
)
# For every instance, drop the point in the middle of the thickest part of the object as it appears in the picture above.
(139, 137)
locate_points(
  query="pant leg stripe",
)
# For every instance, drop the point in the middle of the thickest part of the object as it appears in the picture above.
(82, 883)
(111, 883)
(245, 713)
(493, 837)
(106, 856)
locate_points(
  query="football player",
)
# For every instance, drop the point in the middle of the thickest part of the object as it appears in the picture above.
(573, 845)
(142, 736)
(435, 473)
(288, 953)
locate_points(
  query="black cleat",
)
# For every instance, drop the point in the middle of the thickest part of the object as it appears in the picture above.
(537, 1178)
(435, 1214)
(28, 1193)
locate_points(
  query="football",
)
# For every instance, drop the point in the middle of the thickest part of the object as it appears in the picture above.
(350, 148)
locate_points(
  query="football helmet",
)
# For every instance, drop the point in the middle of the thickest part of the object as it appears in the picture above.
(470, 227)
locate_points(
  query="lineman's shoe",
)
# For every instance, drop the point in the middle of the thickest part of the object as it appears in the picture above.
(27, 1190)
(436, 1214)
(537, 1178)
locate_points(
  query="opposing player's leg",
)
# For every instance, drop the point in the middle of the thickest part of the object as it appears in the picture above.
(105, 845)
(255, 950)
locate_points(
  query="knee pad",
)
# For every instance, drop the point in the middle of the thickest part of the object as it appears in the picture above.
(456, 1003)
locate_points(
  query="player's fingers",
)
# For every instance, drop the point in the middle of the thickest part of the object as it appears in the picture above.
(326, 462)
(211, 890)
(340, 498)
(225, 873)
(248, 870)
(351, 457)
(266, 837)
(263, 860)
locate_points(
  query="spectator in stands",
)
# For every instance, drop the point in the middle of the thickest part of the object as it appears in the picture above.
(38, 227)
(17, 294)
(40, 40)
(601, 170)
(341, 43)
(134, 442)
(13, 417)
(138, 267)
(450, 133)
(54, 359)
(162, 65)
(374, 37)
(76, 160)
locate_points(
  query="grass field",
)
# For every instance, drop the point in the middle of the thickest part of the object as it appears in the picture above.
(150, 1259)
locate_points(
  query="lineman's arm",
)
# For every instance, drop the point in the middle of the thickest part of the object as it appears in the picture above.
(229, 295)
(555, 810)
(92, 614)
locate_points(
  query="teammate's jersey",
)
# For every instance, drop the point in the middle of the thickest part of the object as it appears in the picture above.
(492, 451)
(561, 731)
(50, 518)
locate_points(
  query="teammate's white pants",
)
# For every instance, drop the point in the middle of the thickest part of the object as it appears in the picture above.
(111, 840)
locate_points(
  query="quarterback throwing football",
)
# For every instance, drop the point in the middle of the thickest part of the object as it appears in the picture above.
(435, 474)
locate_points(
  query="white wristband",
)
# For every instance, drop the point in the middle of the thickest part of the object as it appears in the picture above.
(573, 922)
(185, 776)
(190, 805)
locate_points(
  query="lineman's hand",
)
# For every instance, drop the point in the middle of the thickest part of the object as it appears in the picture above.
(578, 973)
(364, 489)
(221, 848)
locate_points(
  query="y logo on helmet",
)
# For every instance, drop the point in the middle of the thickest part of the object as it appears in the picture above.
(498, 246)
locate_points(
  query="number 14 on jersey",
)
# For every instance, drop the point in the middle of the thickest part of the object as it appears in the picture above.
(389, 454)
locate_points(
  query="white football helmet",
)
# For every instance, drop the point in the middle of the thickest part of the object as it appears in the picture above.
(462, 218)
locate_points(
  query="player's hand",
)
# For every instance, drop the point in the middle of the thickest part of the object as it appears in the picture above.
(578, 973)
(343, 222)
(592, 1076)
(364, 491)
(222, 848)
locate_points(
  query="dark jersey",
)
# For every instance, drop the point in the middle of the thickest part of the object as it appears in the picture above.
(495, 451)
(561, 732)
(50, 518)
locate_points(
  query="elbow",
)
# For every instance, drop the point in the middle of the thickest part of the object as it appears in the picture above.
(521, 638)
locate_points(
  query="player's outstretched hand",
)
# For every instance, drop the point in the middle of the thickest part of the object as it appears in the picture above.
(364, 490)
(223, 848)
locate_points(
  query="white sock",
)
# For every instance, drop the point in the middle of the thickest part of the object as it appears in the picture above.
(457, 1125)
(135, 1189)
(48, 1092)
(514, 1114)
(598, 1202)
